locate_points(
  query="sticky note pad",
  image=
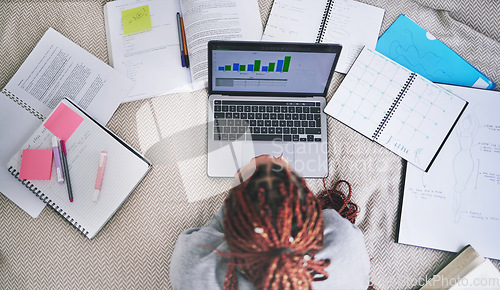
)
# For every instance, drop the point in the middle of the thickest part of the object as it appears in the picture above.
(63, 122)
(36, 164)
(136, 19)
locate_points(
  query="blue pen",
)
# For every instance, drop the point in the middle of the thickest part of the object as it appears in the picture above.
(181, 43)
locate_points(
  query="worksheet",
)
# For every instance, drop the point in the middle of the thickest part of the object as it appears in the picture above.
(456, 202)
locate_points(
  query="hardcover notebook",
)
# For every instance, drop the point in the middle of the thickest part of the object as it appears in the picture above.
(410, 45)
(396, 108)
(349, 23)
(85, 139)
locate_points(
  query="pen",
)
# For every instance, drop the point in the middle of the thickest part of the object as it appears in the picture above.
(57, 160)
(100, 173)
(66, 169)
(181, 42)
(186, 57)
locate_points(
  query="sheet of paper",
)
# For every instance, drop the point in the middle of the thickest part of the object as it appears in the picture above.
(17, 126)
(350, 23)
(206, 20)
(36, 164)
(59, 68)
(462, 187)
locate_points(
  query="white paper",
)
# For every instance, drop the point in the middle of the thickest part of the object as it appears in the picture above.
(59, 68)
(352, 24)
(456, 202)
(152, 57)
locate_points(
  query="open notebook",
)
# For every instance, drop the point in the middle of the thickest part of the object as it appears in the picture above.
(85, 139)
(395, 107)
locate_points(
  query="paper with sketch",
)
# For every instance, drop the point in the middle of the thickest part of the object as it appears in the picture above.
(456, 202)
(56, 68)
(152, 57)
(352, 24)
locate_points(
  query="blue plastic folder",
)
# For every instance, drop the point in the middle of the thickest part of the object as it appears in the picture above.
(408, 44)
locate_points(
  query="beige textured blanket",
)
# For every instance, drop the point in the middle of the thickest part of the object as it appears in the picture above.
(133, 250)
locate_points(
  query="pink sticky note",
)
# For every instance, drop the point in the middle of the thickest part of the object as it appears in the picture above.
(63, 122)
(36, 164)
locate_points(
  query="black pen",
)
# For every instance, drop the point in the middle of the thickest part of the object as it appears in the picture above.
(66, 170)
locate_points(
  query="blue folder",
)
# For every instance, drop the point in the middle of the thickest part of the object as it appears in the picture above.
(413, 47)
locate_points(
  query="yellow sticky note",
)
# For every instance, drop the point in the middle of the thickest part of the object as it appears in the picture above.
(136, 19)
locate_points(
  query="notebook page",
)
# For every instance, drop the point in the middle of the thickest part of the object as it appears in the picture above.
(354, 25)
(294, 20)
(367, 92)
(123, 171)
(421, 122)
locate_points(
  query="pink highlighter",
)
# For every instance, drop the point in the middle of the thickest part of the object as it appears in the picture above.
(100, 173)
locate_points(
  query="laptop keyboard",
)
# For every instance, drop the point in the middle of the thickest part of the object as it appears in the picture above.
(267, 121)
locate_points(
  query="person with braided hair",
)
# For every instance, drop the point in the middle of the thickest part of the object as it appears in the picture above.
(272, 232)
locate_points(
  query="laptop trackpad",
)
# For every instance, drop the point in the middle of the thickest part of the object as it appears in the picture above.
(253, 149)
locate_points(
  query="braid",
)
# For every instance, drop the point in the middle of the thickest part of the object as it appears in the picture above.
(274, 228)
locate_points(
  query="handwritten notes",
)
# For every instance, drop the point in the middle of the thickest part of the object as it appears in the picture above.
(63, 122)
(36, 164)
(136, 19)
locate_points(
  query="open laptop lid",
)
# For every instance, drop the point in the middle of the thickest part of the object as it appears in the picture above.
(270, 68)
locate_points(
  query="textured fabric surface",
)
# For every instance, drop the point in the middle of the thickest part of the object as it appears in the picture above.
(134, 249)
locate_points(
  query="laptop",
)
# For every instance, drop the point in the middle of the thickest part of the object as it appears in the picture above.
(268, 98)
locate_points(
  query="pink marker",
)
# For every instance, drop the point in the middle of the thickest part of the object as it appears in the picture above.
(100, 173)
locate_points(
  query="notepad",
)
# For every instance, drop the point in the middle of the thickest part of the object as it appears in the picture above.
(396, 107)
(36, 164)
(124, 170)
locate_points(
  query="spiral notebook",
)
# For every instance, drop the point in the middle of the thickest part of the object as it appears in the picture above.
(395, 107)
(85, 138)
(352, 24)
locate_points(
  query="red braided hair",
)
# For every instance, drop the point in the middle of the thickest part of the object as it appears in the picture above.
(274, 227)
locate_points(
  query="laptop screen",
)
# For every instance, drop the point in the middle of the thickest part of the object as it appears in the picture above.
(271, 68)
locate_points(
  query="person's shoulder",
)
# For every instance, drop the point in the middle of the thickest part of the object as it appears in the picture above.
(344, 246)
(195, 260)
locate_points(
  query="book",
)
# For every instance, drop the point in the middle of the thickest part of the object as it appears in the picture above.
(462, 184)
(395, 107)
(55, 68)
(151, 57)
(468, 270)
(408, 44)
(85, 138)
(352, 24)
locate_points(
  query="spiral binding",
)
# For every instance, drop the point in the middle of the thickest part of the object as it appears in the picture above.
(23, 104)
(46, 200)
(394, 106)
(324, 20)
